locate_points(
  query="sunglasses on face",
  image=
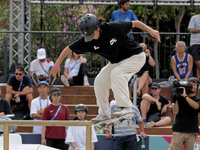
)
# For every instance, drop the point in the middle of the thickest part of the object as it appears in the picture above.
(153, 89)
(18, 74)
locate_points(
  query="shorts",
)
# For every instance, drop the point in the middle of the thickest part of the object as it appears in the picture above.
(195, 52)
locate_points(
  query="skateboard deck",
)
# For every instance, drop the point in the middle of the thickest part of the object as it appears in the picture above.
(106, 124)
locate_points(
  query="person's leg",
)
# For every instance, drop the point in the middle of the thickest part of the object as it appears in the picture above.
(144, 107)
(198, 68)
(131, 142)
(118, 143)
(60, 144)
(120, 76)
(8, 97)
(189, 142)
(102, 85)
(50, 142)
(163, 121)
(177, 141)
(141, 83)
(29, 98)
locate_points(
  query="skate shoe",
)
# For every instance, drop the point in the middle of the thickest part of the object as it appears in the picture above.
(150, 124)
(35, 78)
(86, 83)
(51, 80)
(99, 118)
(123, 110)
(65, 81)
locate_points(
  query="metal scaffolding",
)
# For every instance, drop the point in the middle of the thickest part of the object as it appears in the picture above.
(20, 20)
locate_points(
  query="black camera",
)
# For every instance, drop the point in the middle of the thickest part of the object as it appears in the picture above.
(177, 88)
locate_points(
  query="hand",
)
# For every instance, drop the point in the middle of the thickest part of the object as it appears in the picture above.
(55, 71)
(16, 96)
(155, 34)
(108, 135)
(147, 52)
(184, 92)
(40, 112)
(143, 135)
(164, 109)
(43, 142)
(158, 105)
(2, 114)
(69, 77)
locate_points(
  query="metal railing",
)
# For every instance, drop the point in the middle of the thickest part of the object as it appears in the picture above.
(6, 125)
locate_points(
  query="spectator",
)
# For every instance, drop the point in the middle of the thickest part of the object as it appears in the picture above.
(54, 136)
(39, 104)
(76, 135)
(40, 68)
(123, 13)
(194, 27)
(186, 108)
(181, 62)
(153, 106)
(125, 137)
(75, 72)
(19, 93)
(4, 106)
(143, 75)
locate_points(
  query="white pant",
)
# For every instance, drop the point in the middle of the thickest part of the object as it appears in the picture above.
(116, 77)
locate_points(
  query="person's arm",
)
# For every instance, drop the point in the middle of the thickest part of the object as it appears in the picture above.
(192, 30)
(73, 145)
(164, 109)
(92, 146)
(151, 60)
(175, 108)
(43, 142)
(36, 116)
(27, 90)
(153, 33)
(190, 66)
(151, 99)
(141, 126)
(64, 53)
(173, 64)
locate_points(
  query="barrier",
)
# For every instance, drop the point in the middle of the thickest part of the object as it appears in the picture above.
(6, 124)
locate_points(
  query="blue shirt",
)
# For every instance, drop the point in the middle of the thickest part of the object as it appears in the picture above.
(182, 67)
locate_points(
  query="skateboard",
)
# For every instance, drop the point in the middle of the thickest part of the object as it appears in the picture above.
(107, 124)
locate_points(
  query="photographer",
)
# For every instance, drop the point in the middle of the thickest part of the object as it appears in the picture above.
(186, 107)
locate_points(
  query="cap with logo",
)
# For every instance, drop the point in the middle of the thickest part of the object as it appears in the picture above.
(55, 91)
(41, 53)
(155, 85)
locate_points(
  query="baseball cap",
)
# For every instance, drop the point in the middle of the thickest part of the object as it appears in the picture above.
(155, 85)
(44, 83)
(41, 53)
(55, 91)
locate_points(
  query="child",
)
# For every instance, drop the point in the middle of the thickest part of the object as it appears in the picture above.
(76, 135)
(54, 136)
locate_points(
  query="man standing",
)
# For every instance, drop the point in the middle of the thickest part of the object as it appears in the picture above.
(38, 104)
(123, 13)
(153, 106)
(186, 108)
(40, 68)
(19, 93)
(194, 27)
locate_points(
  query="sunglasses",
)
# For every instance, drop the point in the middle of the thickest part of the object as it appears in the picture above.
(153, 88)
(18, 74)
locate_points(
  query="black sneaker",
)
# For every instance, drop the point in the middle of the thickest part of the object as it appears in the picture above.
(35, 78)
(51, 80)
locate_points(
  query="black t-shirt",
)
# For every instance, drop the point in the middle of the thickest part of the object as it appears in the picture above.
(113, 43)
(12, 81)
(4, 106)
(144, 68)
(153, 107)
(187, 119)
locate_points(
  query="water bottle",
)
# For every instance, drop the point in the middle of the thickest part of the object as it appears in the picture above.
(142, 144)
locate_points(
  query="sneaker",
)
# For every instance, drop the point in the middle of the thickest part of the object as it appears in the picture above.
(99, 118)
(86, 83)
(150, 124)
(122, 111)
(65, 81)
(51, 80)
(35, 78)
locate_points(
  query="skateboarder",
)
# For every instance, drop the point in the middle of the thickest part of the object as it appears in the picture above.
(126, 57)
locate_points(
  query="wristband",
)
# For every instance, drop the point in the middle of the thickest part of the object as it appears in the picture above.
(149, 55)
(142, 133)
(185, 96)
(56, 66)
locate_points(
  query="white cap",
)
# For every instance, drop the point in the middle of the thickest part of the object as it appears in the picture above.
(41, 53)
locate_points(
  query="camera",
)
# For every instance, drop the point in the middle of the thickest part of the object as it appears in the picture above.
(177, 88)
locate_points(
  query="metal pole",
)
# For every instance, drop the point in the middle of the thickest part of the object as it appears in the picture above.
(6, 137)
(5, 45)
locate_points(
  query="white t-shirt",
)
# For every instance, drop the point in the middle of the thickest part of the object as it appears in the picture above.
(35, 106)
(73, 66)
(36, 67)
(77, 134)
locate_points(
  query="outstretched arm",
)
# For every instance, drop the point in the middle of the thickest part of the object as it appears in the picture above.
(153, 33)
(55, 70)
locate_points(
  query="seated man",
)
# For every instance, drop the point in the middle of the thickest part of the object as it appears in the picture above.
(39, 104)
(19, 93)
(40, 68)
(4, 107)
(153, 106)
(182, 62)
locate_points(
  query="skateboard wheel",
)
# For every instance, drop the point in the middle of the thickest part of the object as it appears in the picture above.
(116, 124)
(129, 123)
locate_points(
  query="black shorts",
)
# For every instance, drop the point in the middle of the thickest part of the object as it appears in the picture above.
(195, 52)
